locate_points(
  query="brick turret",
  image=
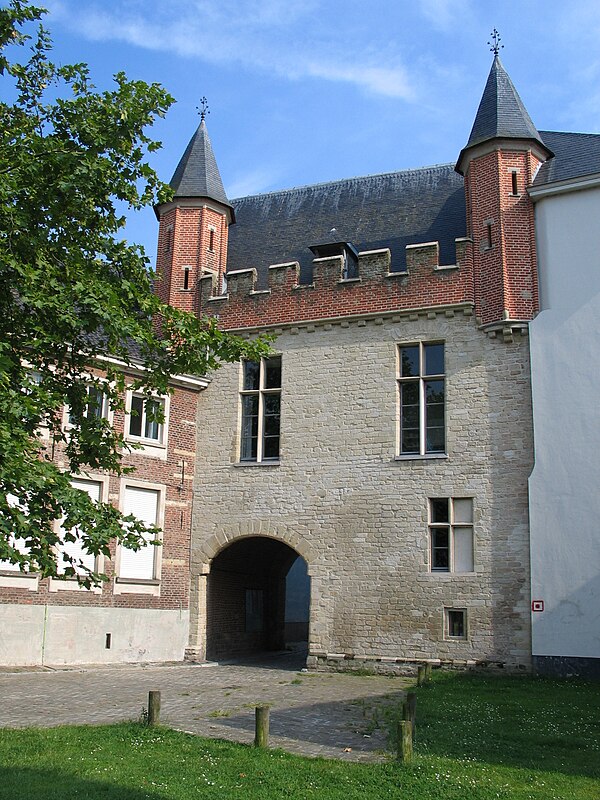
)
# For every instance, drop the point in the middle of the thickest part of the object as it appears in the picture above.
(192, 240)
(499, 162)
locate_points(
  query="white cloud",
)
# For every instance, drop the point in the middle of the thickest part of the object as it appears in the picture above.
(270, 35)
(444, 14)
(254, 182)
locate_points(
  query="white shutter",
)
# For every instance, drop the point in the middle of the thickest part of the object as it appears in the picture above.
(463, 550)
(18, 544)
(74, 549)
(143, 504)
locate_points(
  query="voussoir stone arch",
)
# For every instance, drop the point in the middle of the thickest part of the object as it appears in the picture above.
(226, 536)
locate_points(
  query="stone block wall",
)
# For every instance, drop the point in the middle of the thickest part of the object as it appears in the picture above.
(358, 513)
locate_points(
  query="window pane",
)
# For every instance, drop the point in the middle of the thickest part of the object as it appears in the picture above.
(95, 407)
(410, 393)
(456, 623)
(271, 447)
(440, 549)
(463, 509)
(249, 448)
(434, 391)
(251, 374)
(410, 441)
(410, 417)
(439, 509)
(435, 440)
(271, 425)
(152, 429)
(273, 373)
(434, 359)
(463, 550)
(135, 419)
(409, 361)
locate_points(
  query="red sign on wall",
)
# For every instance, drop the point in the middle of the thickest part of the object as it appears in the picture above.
(537, 605)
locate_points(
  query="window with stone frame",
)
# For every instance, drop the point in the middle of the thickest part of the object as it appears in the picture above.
(146, 419)
(422, 399)
(84, 560)
(260, 398)
(143, 564)
(96, 405)
(451, 534)
(455, 623)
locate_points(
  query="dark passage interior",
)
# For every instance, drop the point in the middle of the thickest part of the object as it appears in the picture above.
(258, 599)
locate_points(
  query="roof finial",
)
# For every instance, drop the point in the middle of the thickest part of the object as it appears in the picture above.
(496, 47)
(203, 109)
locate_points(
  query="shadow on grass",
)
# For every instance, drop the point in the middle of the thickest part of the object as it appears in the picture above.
(22, 783)
(518, 721)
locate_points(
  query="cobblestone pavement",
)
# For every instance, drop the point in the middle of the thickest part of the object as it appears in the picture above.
(315, 714)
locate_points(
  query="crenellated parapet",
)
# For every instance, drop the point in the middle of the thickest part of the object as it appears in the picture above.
(424, 284)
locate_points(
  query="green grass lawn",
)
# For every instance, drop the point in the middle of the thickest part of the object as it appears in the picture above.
(478, 738)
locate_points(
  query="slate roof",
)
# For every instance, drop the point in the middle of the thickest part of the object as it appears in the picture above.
(377, 211)
(501, 113)
(197, 174)
(575, 155)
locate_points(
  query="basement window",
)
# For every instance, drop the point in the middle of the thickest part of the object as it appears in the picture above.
(455, 623)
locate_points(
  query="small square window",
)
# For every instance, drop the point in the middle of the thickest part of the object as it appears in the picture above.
(455, 623)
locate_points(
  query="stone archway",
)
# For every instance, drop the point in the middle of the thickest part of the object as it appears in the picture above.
(246, 598)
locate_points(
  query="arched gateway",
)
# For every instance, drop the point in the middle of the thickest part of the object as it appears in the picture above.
(254, 597)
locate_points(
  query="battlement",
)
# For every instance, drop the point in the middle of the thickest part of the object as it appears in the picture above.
(373, 288)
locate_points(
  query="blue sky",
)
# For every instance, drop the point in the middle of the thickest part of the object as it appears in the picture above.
(305, 91)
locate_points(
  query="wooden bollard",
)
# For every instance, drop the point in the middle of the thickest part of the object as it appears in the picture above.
(410, 710)
(261, 734)
(405, 743)
(421, 675)
(427, 672)
(153, 708)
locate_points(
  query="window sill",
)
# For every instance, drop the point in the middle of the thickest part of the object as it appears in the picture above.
(256, 463)
(145, 586)
(148, 447)
(445, 575)
(12, 579)
(71, 585)
(420, 457)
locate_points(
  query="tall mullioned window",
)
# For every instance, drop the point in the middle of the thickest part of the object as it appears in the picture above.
(261, 406)
(422, 399)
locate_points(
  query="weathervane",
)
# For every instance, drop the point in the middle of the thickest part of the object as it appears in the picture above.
(496, 47)
(203, 108)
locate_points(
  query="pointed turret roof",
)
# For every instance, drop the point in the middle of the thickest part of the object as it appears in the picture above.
(197, 174)
(501, 113)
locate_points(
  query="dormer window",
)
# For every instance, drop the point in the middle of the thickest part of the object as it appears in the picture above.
(344, 249)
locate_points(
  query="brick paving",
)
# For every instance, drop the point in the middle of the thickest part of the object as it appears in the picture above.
(314, 714)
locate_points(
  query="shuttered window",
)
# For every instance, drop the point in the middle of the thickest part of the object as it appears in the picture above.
(143, 504)
(74, 549)
(18, 544)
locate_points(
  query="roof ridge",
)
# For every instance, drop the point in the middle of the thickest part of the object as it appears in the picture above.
(570, 133)
(322, 184)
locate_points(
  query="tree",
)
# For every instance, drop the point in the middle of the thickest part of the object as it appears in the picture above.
(72, 292)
